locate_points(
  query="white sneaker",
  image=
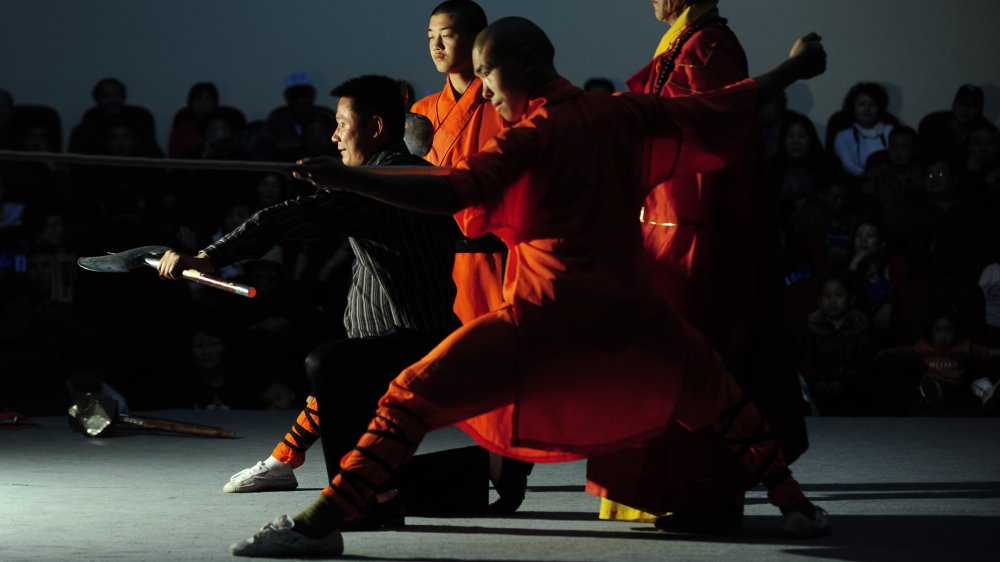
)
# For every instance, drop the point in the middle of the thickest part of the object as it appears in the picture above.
(279, 539)
(261, 478)
(799, 526)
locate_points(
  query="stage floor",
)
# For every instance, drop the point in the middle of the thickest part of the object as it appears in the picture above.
(897, 489)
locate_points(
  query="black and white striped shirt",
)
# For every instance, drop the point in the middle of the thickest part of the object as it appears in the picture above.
(401, 276)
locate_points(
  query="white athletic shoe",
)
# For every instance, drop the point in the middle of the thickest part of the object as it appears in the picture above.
(799, 526)
(261, 478)
(278, 539)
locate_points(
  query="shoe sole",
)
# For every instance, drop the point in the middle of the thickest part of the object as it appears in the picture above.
(258, 486)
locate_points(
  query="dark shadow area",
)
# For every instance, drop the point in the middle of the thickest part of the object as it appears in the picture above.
(899, 491)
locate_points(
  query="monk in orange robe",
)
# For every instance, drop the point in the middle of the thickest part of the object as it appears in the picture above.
(463, 123)
(581, 330)
(700, 232)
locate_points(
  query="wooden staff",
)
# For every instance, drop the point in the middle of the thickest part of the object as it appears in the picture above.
(189, 164)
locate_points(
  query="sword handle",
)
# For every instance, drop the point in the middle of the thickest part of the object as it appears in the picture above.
(209, 280)
(219, 283)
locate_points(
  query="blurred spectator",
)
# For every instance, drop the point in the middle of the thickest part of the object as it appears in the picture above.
(801, 167)
(11, 212)
(93, 135)
(771, 116)
(989, 282)
(947, 227)
(216, 382)
(8, 137)
(826, 227)
(877, 271)
(895, 184)
(187, 135)
(289, 127)
(945, 134)
(982, 167)
(951, 367)
(601, 85)
(837, 351)
(869, 127)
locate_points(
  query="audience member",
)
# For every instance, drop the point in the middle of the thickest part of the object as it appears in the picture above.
(877, 271)
(837, 351)
(826, 226)
(896, 183)
(216, 382)
(93, 134)
(288, 127)
(951, 366)
(867, 105)
(771, 115)
(800, 167)
(982, 167)
(602, 85)
(8, 137)
(187, 135)
(989, 282)
(945, 134)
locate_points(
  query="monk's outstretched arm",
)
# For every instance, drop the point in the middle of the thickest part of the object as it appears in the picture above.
(420, 193)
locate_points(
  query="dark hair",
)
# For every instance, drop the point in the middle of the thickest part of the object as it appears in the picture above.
(841, 278)
(984, 125)
(945, 312)
(603, 83)
(203, 88)
(903, 130)
(815, 144)
(109, 80)
(469, 15)
(373, 95)
(875, 91)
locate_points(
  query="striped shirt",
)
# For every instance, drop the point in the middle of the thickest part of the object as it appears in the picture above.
(401, 276)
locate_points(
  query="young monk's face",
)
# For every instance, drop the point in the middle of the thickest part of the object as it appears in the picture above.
(450, 46)
(505, 81)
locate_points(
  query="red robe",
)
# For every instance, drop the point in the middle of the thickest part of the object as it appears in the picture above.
(700, 233)
(462, 128)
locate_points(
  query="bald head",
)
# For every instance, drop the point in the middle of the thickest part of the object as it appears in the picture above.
(511, 37)
(513, 57)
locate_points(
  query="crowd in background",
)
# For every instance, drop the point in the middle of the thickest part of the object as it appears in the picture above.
(890, 240)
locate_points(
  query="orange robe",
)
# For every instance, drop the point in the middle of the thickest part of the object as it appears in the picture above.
(462, 127)
(587, 334)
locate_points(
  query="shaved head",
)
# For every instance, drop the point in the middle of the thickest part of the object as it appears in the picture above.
(512, 57)
(469, 15)
(513, 35)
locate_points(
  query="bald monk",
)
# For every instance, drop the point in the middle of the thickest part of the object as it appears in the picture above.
(463, 123)
(581, 327)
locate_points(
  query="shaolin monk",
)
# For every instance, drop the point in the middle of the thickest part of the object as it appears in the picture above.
(581, 328)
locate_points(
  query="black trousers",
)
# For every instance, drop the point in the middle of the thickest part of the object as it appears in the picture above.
(348, 377)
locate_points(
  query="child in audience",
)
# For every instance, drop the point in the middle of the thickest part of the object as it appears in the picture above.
(870, 263)
(837, 351)
(801, 166)
(952, 366)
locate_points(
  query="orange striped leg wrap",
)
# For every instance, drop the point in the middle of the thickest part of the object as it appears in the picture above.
(292, 449)
(391, 439)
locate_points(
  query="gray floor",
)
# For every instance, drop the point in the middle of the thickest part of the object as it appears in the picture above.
(898, 489)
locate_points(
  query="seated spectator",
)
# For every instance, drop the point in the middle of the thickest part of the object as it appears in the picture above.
(837, 350)
(771, 116)
(602, 85)
(896, 183)
(8, 137)
(187, 136)
(982, 167)
(945, 134)
(947, 226)
(877, 271)
(868, 131)
(826, 226)
(92, 135)
(989, 282)
(801, 166)
(951, 366)
(216, 381)
(287, 125)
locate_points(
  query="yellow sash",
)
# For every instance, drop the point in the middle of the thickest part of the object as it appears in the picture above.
(690, 15)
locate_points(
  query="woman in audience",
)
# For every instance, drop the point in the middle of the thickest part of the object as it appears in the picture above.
(866, 103)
